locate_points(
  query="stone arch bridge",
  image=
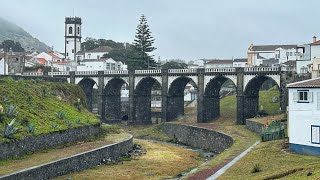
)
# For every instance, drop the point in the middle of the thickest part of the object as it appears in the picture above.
(173, 81)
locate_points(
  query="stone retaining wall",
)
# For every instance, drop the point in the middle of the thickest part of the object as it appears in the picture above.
(44, 141)
(74, 163)
(254, 126)
(198, 137)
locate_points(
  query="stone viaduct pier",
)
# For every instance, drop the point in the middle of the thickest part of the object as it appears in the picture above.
(173, 81)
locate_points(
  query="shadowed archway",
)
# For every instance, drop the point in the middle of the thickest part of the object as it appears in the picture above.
(87, 85)
(142, 95)
(176, 97)
(112, 100)
(211, 98)
(251, 95)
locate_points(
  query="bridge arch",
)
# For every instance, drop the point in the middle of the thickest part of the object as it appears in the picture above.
(212, 96)
(142, 95)
(176, 94)
(111, 103)
(251, 94)
(87, 85)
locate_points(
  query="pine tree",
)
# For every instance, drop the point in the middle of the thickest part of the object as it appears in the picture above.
(143, 44)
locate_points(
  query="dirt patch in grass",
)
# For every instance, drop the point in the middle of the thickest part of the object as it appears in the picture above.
(42, 157)
(160, 162)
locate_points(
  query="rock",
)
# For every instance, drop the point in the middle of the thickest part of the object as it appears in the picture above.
(309, 173)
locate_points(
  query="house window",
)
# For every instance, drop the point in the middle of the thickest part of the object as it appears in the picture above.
(67, 42)
(70, 30)
(98, 57)
(67, 54)
(113, 66)
(315, 134)
(302, 96)
(290, 53)
(72, 50)
(89, 56)
(108, 66)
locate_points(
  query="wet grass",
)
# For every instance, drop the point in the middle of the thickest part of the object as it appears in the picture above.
(160, 162)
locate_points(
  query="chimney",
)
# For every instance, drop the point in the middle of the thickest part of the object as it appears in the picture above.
(314, 39)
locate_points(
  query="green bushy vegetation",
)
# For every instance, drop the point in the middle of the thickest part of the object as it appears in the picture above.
(41, 107)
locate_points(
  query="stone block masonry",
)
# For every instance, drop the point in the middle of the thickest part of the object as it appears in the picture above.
(44, 141)
(198, 137)
(74, 163)
(254, 126)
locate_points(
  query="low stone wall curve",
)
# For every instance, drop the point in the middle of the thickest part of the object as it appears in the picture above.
(45, 141)
(73, 163)
(198, 137)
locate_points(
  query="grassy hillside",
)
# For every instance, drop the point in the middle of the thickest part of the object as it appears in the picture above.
(38, 103)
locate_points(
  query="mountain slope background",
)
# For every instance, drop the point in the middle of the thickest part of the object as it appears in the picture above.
(10, 31)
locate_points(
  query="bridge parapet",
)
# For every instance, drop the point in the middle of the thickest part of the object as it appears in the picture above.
(64, 73)
(86, 72)
(220, 70)
(182, 70)
(257, 69)
(150, 71)
(33, 74)
(116, 72)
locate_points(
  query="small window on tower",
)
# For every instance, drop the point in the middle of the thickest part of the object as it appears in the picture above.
(67, 54)
(78, 30)
(70, 30)
(67, 42)
(72, 50)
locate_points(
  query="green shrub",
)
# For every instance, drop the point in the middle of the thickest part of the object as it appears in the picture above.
(69, 124)
(78, 121)
(11, 111)
(10, 129)
(256, 168)
(5, 98)
(60, 115)
(54, 125)
(30, 128)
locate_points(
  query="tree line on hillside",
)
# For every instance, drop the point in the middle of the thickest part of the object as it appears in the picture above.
(8, 45)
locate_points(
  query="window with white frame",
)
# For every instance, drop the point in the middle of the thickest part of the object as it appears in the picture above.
(108, 66)
(302, 96)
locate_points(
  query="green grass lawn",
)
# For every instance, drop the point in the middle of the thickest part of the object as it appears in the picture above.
(274, 161)
(38, 102)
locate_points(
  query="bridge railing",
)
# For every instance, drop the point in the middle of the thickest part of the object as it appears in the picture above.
(182, 70)
(116, 72)
(33, 74)
(64, 73)
(220, 70)
(86, 72)
(252, 69)
(150, 71)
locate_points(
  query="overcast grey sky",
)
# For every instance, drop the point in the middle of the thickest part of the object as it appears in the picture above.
(183, 29)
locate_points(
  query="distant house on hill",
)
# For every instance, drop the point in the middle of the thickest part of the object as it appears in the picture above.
(304, 116)
(217, 63)
(96, 53)
(100, 65)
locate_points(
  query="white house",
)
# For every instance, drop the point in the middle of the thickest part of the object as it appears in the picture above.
(217, 63)
(96, 53)
(240, 62)
(3, 67)
(304, 116)
(258, 53)
(100, 65)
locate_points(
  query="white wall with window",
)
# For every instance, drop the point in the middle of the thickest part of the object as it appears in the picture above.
(101, 65)
(304, 116)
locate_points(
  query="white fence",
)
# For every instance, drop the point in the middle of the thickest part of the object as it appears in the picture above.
(152, 71)
(182, 70)
(220, 69)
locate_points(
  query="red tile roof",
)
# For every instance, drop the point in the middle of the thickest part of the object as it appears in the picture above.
(42, 61)
(310, 83)
(54, 56)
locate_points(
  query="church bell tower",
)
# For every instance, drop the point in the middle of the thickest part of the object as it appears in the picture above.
(72, 37)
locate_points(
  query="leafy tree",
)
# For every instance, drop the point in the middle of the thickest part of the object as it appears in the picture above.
(14, 46)
(91, 43)
(143, 44)
(174, 65)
